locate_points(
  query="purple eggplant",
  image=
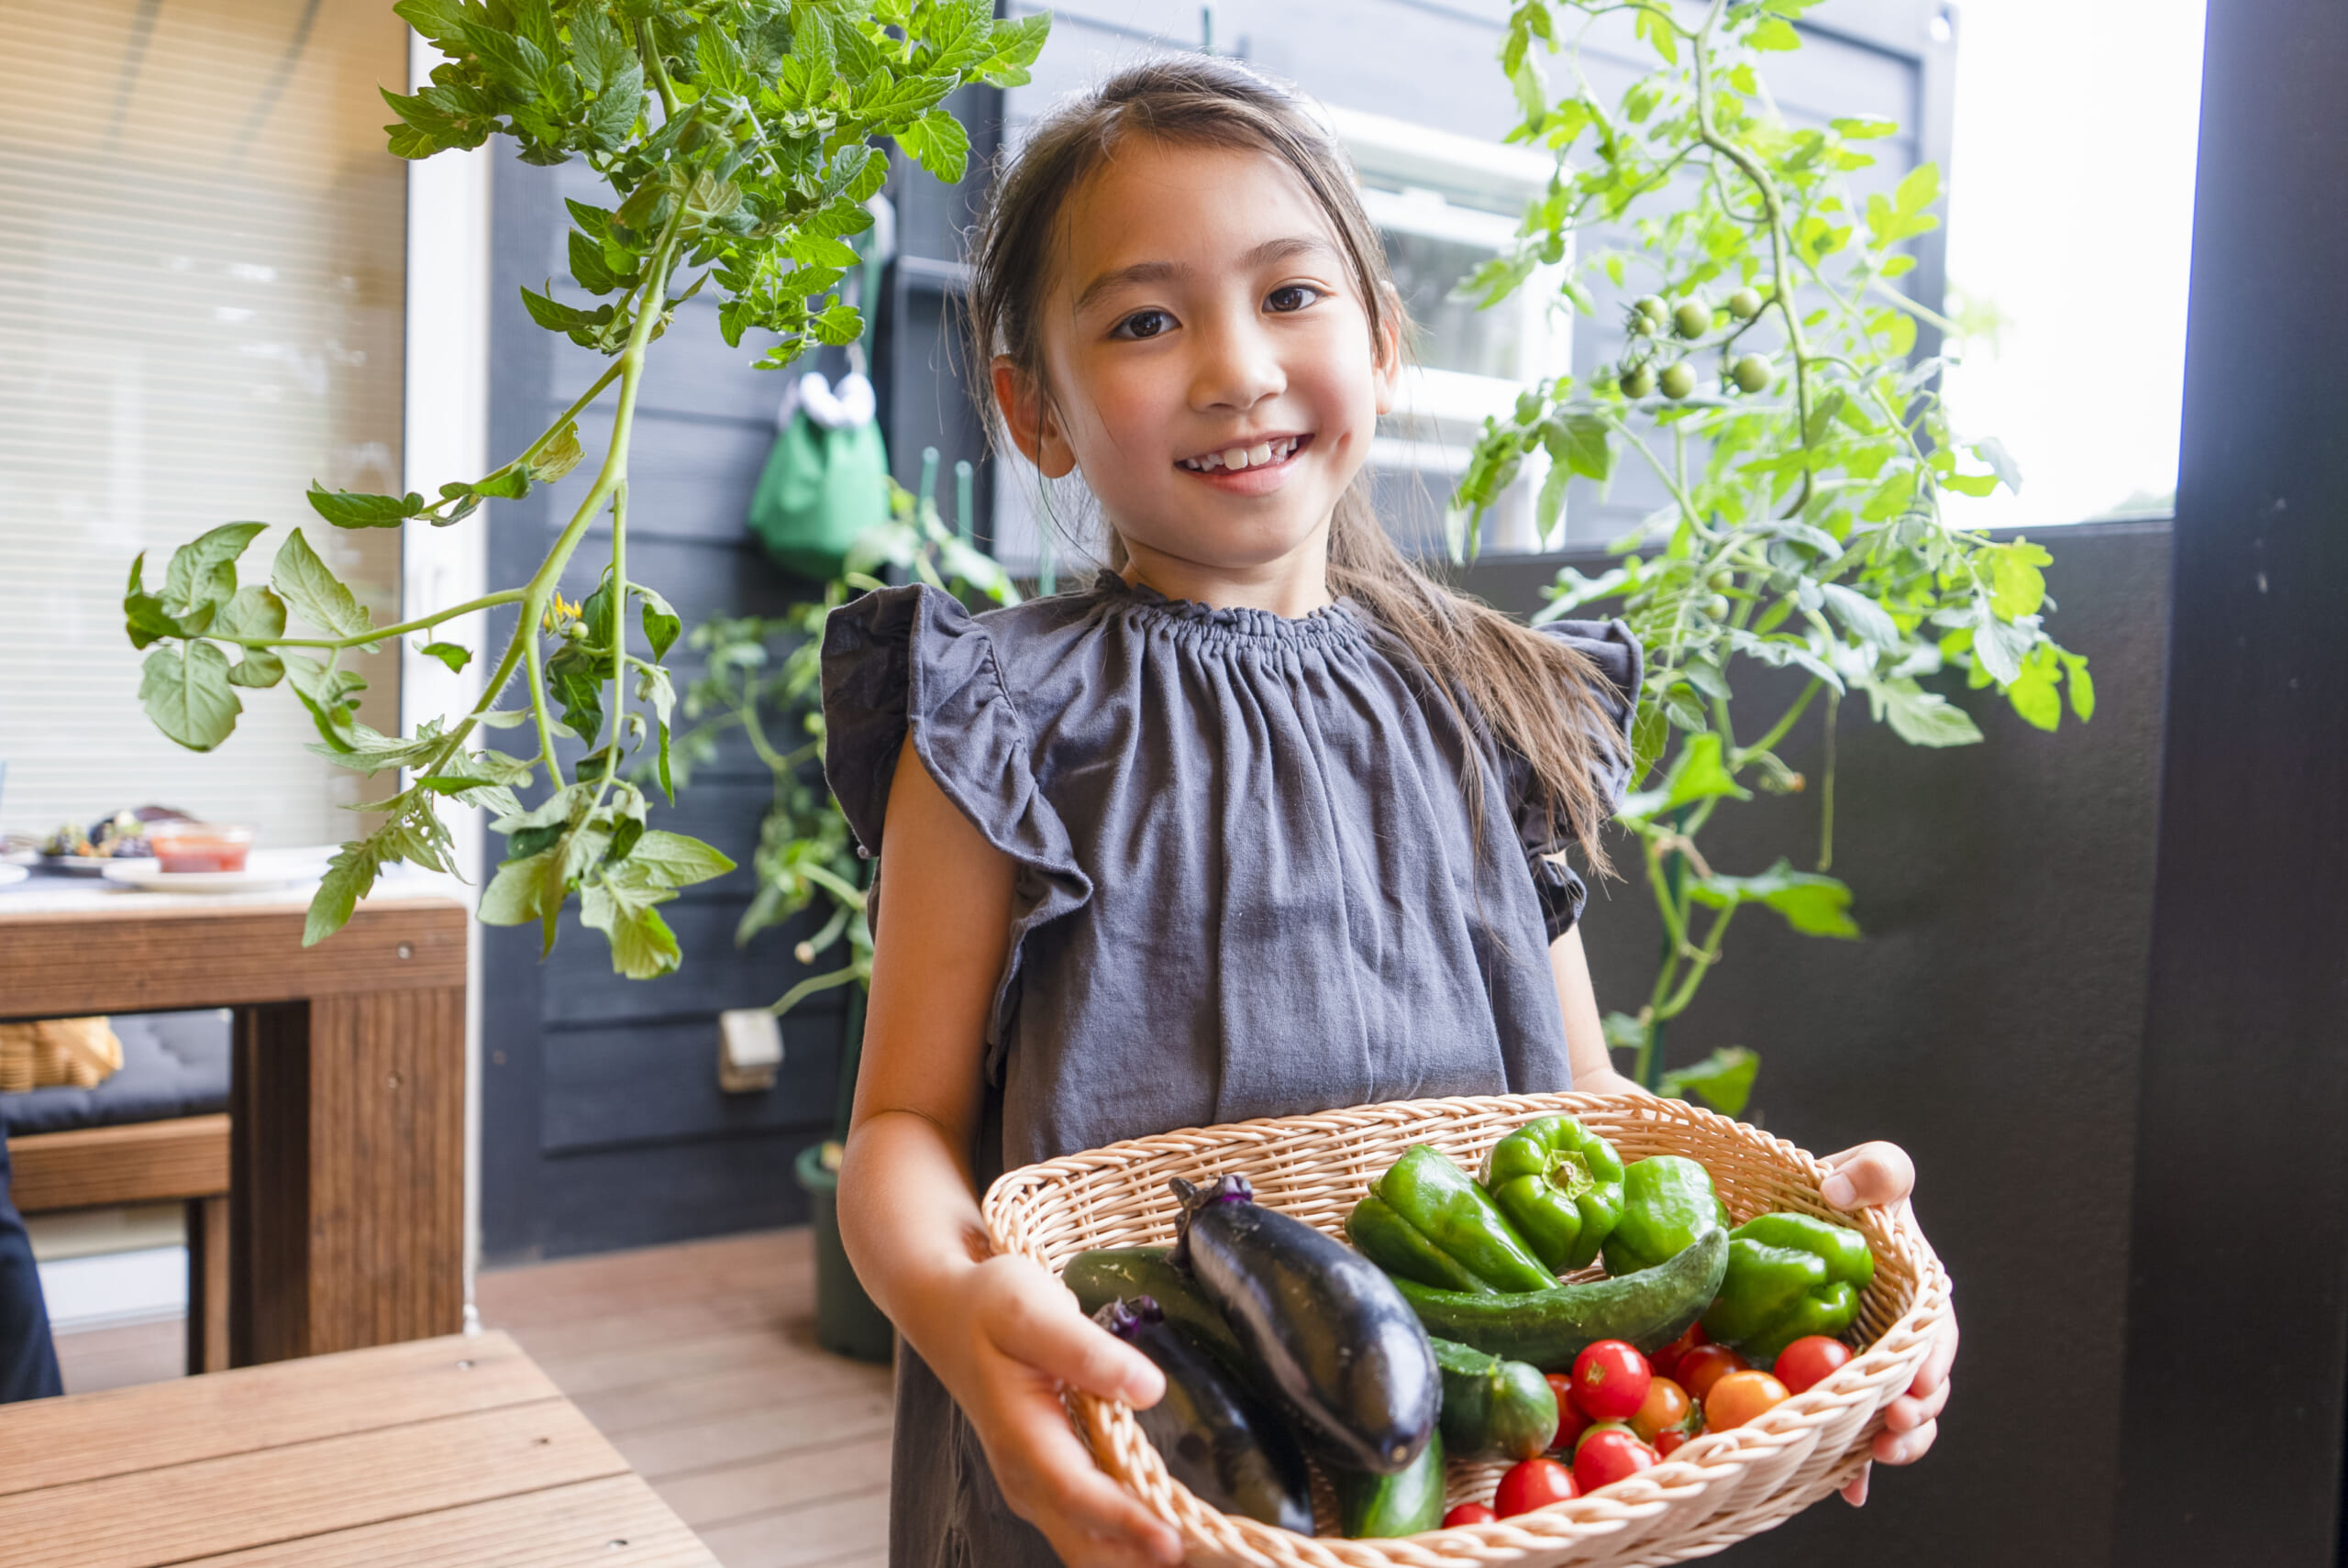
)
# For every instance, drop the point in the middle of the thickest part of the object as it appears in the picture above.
(1219, 1439)
(1333, 1341)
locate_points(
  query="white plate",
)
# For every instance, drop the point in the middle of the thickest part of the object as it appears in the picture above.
(12, 873)
(97, 865)
(143, 876)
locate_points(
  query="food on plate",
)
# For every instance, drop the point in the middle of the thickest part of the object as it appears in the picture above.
(1669, 1205)
(1739, 1397)
(1534, 1483)
(1427, 1220)
(1561, 1185)
(1218, 1439)
(122, 837)
(1492, 1408)
(1809, 1362)
(1610, 1380)
(1402, 1502)
(1789, 1275)
(1340, 1350)
(1550, 1328)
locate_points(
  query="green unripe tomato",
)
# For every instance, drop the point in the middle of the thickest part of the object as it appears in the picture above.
(1752, 373)
(1638, 383)
(1745, 304)
(572, 630)
(1717, 606)
(1722, 580)
(1653, 312)
(1678, 380)
(1693, 318)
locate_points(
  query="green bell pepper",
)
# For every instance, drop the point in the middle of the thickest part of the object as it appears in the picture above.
(1788, 1276)
(1427, 1220)
(1562, 1186)
(1669, 1205)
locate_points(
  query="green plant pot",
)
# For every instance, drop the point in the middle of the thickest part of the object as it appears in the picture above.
(846, 1322)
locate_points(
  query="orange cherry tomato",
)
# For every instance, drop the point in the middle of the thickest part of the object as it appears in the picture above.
(1739, 1396)
(1467, 1514)
(1809, 1361)
(1666, 1409)
(1703, 1367)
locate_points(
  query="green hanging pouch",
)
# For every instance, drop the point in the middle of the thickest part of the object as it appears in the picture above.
(826, 484)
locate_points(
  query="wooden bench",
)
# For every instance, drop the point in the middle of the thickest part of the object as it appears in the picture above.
(184, 1159)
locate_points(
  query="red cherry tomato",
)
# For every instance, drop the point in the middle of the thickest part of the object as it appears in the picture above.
(1809, 1362)
(1467, 1514)
(1666, 1444)
(1608, 1456)
(1571, 1423)
(1704, 1365)
(1611, 1380)
(1665, 1361)
(1532, 1484)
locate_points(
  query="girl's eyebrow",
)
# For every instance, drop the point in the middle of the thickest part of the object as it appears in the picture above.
(1271, 251)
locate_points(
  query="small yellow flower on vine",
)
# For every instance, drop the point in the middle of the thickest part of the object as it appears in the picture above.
(560, 613)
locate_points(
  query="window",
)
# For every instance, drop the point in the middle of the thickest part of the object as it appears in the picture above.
(202, 279)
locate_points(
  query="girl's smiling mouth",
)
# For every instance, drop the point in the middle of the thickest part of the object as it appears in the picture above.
(1248, 467)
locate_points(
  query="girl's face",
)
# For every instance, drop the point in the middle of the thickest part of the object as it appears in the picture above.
(1210, 364)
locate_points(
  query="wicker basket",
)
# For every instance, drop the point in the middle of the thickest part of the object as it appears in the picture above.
(1714, 1491)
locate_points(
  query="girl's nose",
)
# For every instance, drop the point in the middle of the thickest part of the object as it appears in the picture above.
(1238, 368)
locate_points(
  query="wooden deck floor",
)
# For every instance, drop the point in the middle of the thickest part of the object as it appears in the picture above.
(699, 1363)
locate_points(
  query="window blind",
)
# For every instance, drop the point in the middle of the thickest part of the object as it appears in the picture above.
(201, 257)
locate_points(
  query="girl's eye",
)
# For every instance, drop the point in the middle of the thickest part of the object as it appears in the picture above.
(1142, 324)
(1290, 298)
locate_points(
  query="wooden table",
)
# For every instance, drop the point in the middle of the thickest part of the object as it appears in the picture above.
(455, 1451)
(346, 1209)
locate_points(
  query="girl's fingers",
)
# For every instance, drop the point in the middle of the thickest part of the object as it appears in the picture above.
(1044, 1330)
(1856, 1494)
(1049, 1479)
(1935, 1372)
(1873, 1175)
(1905, 1448)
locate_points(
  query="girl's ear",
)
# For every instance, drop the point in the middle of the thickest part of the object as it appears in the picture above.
(1388, 369)
(1028, 414)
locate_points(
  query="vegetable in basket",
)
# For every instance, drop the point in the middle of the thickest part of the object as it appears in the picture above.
(1550, 1328)
(1404, 1503)
(1668, 1205)
(1788, 1276)
(1338, 1348)
(1561, 1186)
(1427, 1220)
(1107, 1274)
(1492, 1408)
(1217, 1437)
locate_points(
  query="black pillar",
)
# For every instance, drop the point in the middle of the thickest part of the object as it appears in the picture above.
(2238, 1301)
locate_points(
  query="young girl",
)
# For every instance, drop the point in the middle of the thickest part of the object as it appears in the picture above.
(1263, 822)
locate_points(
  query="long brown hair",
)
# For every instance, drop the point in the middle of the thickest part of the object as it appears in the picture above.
(1537, 695)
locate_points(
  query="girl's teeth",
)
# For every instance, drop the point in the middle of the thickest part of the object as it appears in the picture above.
(1260, 453)
(1236, 458)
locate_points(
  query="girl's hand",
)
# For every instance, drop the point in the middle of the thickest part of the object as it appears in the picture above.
(1880, 1176)
(1023, 1339)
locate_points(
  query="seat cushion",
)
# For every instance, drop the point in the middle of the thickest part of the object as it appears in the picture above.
(173, 1064)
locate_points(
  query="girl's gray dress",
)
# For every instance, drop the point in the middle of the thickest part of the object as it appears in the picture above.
(1248, 885)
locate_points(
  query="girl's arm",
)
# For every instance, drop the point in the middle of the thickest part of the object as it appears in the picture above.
(1002, 1334)
(1870, 1175)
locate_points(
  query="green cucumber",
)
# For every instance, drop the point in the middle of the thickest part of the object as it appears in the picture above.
(1111, 1274)
(1493, 1409)
(1404, 1503)
(1548, 1328)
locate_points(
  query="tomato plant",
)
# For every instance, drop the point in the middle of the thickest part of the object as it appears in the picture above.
(737, 140)
(1805, 527)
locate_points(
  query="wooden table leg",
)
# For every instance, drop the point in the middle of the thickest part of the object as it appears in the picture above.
(207, 1284)
(348, 1179)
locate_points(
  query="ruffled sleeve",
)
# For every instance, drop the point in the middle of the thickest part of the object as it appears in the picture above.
(1608, 645)
(910, 663)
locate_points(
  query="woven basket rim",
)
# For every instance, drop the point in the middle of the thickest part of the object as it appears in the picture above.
(1874, 1375)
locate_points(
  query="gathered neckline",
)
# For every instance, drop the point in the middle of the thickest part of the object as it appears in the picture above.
(1339, 619)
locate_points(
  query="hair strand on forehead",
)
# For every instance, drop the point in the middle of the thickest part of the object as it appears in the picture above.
(1530, 693)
